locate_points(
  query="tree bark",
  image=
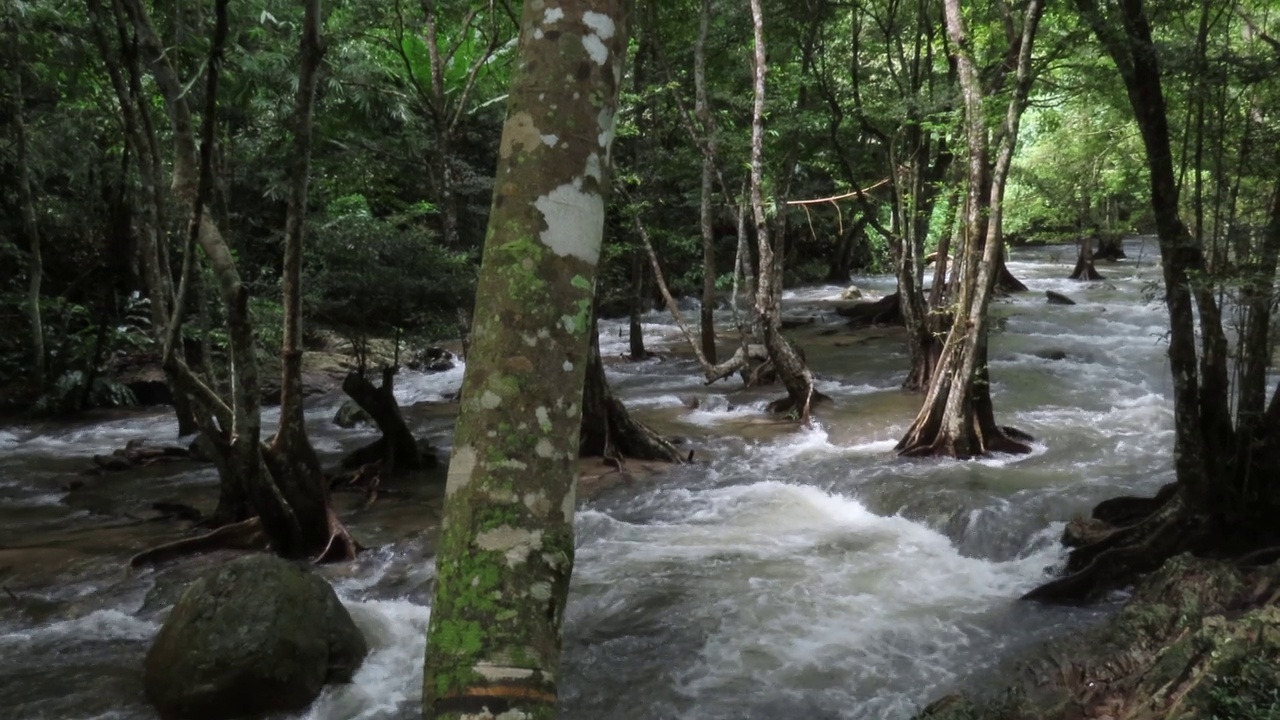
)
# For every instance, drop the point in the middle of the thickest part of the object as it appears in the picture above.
(702, 108)
(397, 449)
(635, 328)
(608, 430)
(957, 417)
(291, 458)
(506, 547)
(790, 366)
(1084, 269)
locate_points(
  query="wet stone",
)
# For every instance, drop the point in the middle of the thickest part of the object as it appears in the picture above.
(256, 635)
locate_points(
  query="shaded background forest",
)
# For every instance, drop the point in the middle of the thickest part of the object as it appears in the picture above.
(409, 109)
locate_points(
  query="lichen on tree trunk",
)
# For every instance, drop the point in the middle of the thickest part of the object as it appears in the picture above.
(506, 545)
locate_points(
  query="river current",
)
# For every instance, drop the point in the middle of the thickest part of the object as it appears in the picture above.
(787, 573)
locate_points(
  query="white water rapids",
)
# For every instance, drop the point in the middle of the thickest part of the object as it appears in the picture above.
(792, 574)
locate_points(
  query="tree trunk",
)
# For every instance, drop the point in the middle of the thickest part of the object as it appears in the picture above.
(639, 297)
(1084, 269)
(397, 449)
(702, 108)
(790, 366)
(608, 430)
(957, 417)
(1110, 247)
(506, 547)
(30, 227)
(292, 460)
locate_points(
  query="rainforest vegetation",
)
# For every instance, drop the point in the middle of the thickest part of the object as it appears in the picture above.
(611, 260)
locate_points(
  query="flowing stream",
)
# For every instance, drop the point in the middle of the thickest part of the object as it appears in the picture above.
(789, 573)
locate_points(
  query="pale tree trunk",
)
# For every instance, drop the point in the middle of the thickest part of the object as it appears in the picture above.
(506, 545)
(957, 417)
(702, 108)
(30, 227)
(710, 370)
(791, 368)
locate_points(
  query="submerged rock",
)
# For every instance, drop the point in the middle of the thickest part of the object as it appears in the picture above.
(257, 635)
(1056, 298)
(1199, 640)
(350, 415)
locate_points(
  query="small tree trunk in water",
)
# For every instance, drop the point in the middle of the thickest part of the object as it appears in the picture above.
(1005, 280)
(506, 543)
(639, 297)
(608, 430)
(30, 227)
(1084, 269)
(397, 449)
(790, 366)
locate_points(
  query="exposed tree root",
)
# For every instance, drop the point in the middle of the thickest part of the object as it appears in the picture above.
(244, 535)
(885, 311)
(1121, 556)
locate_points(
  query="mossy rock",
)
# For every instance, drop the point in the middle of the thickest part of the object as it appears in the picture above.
(257, 635)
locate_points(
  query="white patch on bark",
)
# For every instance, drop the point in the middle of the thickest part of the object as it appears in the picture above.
(552, 16)
(514, 543)
(574, 221)
(519, 130)
(498, 673)
(537, 503)
(570, 501)
(551, 139)
(594, 168)
(544, 420)
(461, 466)
(568, 366)
(490, 400)
(608, 125)
(513, 465)
(599, 23)
(540, 591)
(545, 449)
(595, 48)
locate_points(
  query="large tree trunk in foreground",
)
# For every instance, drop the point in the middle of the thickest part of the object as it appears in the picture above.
(787, 362)
(608, 430)
(506, 544)
(957, 417)
(397, 449)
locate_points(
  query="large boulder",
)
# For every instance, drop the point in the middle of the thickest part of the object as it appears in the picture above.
(257, 635)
